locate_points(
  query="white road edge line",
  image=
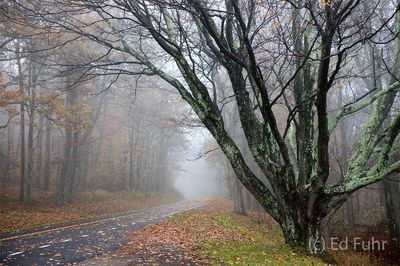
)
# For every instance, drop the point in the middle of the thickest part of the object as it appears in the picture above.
(135, 212)
(16, 253)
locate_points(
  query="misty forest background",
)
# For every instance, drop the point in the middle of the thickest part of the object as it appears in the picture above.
(79, 118)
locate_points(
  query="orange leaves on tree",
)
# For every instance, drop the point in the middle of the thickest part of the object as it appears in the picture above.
(8, 97)
(73, 116)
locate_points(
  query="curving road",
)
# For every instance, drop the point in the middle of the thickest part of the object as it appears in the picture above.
(73, 242)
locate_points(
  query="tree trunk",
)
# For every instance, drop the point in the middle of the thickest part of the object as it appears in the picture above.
(238, 203)
(344, 140)
(124, 169)
(392, 203)
(3, 166)
(85, 146)
(70, 146)
(98, 149)
(73, 166)
(64, 166)
(47, 162)
(22, 126)
(138, 160)
(8, 161)
(305, 233)
(39, 157)
(84, 156)
(28, 197)
(131, 155)
(32, 103)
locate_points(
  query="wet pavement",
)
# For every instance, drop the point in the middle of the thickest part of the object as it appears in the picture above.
(69, 243)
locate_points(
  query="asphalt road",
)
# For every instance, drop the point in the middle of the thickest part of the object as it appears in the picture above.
(74, 242)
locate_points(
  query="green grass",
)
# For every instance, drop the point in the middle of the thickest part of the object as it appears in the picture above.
(257, 253)
(267, 247)
(226, 221)
(181, 216)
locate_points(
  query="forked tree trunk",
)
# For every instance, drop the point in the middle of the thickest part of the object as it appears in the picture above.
(304, 233)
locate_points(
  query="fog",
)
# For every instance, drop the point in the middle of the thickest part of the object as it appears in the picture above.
(103, 100)
(197, 179)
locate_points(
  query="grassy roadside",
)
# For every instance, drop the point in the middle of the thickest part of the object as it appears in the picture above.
(217, 236)
(13, 215)
(262, 244)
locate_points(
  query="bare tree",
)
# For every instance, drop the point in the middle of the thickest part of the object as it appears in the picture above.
(277, 54)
